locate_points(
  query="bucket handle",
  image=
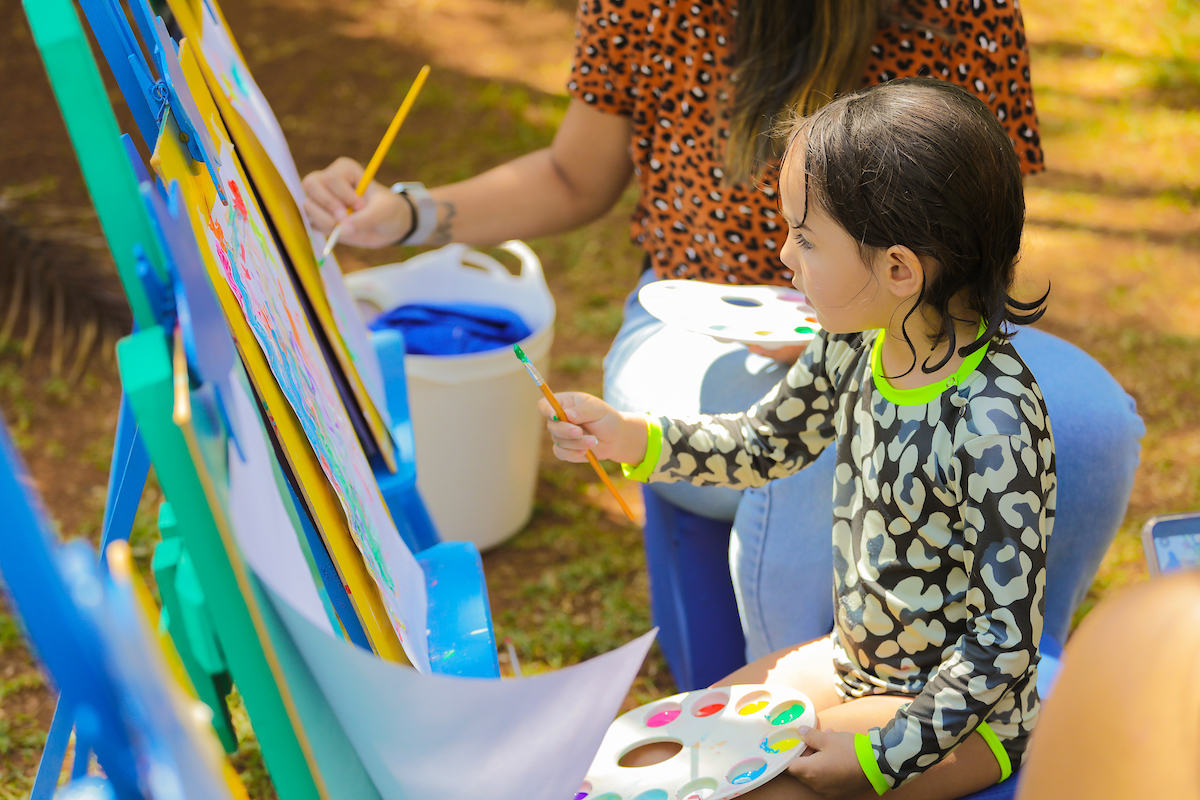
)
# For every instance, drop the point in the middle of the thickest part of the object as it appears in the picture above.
(531, 266)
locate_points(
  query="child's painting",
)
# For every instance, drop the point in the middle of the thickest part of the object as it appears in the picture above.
(237, 84)
(242, 247)
(245, 96)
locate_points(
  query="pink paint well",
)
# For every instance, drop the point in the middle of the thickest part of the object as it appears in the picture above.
(662, 718)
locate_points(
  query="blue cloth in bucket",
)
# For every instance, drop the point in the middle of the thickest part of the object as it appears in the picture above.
(443, 329)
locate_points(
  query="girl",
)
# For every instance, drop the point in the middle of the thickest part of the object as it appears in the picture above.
(676, 97)
(904, 210)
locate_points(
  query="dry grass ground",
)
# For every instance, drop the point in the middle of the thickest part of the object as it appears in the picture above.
(1114, 224)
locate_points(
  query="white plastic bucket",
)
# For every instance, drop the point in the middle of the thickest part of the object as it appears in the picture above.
(474, 416)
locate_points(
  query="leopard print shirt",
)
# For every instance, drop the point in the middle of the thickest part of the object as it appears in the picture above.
(942, 509)
(663, 63)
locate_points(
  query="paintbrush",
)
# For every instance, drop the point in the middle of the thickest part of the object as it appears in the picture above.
(512, 657)
(558, 409)
(376, 160)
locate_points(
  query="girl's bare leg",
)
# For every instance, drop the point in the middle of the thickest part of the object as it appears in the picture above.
(809, 668)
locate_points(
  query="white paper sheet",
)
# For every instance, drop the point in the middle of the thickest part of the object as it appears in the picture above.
(435, 737)
(268, 541)
(247, 98)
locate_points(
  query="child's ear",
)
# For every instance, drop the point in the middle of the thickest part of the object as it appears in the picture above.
(903, 271)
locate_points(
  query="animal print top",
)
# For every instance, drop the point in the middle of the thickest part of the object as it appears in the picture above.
(943, 501)
(663, 62)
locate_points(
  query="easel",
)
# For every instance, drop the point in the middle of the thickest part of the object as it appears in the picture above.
(127, 478)
(144, 253)
(116, 688)
(333, 715)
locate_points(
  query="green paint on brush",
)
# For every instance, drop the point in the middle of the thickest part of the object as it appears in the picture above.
(532, 370)
(529, 367)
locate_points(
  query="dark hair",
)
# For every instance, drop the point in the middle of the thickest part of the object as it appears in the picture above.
(924, 163)
(791, 54)
(797, 55)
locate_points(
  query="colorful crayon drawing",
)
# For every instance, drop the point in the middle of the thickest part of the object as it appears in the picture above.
(254, 270)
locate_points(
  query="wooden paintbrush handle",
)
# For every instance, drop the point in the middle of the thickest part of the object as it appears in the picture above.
(562, 415)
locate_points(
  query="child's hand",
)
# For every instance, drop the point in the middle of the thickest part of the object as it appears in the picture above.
(830, 766)
(787, 354)
(593, 424)
(376, 219)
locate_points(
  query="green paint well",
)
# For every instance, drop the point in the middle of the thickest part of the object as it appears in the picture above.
(789, 714)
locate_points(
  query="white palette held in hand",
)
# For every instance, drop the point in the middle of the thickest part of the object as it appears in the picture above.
(768, 316)
(732, 739)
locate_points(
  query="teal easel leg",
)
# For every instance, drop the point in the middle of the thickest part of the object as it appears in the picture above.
(126, 479)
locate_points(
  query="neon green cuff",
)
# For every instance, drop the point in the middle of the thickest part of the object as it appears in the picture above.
(924, 394)
(993, 741)
(653, 450)
(866, 760)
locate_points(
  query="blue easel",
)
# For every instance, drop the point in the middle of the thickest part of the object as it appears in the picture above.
(171, 288)
(70, 608)
(126, 480)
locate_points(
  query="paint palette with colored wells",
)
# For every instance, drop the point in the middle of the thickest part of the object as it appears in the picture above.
(729, 740)
(768, 316)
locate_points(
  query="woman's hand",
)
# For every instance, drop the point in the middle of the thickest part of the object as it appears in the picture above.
(593, 424)
(376, 219)
(830, 766)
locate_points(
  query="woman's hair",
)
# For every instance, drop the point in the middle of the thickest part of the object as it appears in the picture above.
(924, 163)
(792, 55)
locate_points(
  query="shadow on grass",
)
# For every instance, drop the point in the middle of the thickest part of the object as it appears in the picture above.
(1058, 180)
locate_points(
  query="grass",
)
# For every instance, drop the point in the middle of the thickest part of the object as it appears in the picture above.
(10, 634)
(1114, 226)
(248, 760)
(22, 734)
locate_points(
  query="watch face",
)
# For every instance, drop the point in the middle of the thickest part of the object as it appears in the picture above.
(424, 211)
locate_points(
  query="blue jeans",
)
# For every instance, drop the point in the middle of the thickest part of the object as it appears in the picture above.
(780, 552)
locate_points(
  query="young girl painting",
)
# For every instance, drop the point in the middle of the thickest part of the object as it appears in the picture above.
(904, 209)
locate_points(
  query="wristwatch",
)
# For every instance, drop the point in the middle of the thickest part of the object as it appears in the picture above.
(424, 211)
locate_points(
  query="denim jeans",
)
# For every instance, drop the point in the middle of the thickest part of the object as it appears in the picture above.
(780, 549)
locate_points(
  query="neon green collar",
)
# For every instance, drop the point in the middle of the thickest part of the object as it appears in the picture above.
(922, 394)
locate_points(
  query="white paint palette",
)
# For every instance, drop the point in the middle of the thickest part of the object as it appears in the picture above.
(768, 316)
(731, 739)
